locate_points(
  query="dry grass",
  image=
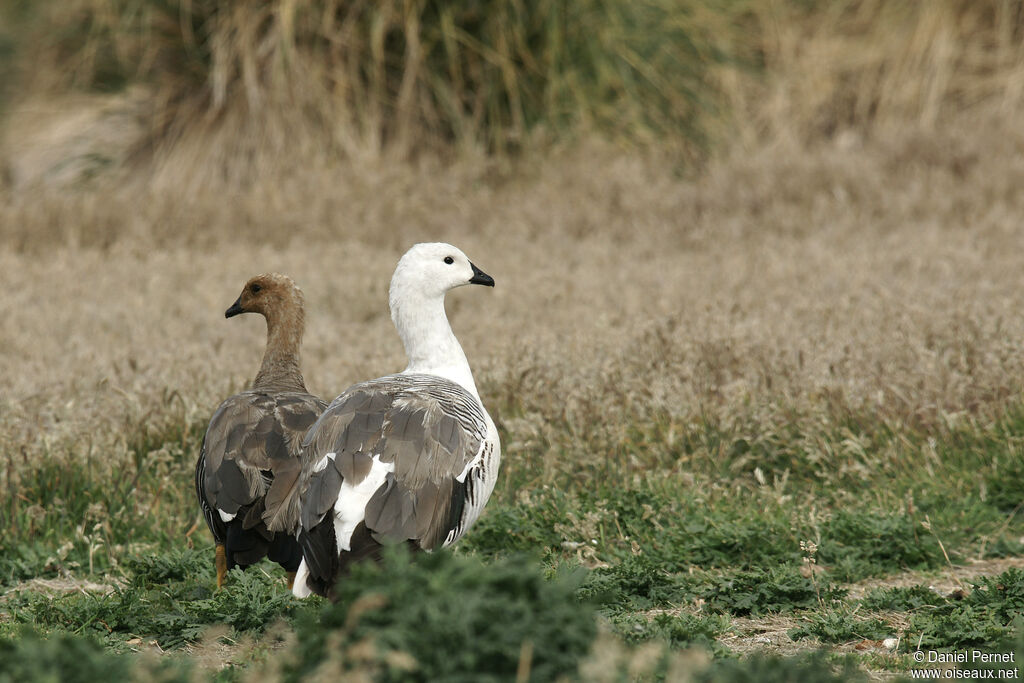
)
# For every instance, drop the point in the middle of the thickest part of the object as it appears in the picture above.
(852, 259)
(329, 79)
(848, 263)
(881, 276)
(944, 581)
(866, 65)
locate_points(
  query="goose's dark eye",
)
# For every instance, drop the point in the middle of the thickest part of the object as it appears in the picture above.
(255, 289)
(449, 260)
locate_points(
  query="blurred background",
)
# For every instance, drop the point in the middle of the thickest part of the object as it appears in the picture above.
(822, 191)
(756, 260)
(222, 95)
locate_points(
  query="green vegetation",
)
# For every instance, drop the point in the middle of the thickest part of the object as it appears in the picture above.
(813, 668)
(84, 514)
(68, 658)
(167, 599)
(841, 626)
(776, 590)
(678, 632)
(678, 564)
(804, 384)
(902, 599)
(441, 617)
(987, 616)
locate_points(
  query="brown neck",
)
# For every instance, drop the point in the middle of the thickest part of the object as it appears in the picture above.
(280, 369)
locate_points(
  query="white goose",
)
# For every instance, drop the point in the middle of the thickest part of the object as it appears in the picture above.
(407, 458)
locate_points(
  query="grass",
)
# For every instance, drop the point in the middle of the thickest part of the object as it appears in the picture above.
(671, 567)
(683, 533)
(749, 409)
(694, 523)
(505, 615)
(841, 626)
(166, 597)
(218, 92)
(390, 75)
(66, 657)
(988, 614)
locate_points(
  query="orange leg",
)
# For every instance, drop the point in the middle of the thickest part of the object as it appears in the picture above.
(221, 561)
(291, 579)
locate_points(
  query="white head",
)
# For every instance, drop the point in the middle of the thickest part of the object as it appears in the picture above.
(423, 276)
(430, 269)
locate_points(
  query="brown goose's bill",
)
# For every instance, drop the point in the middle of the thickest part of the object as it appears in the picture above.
(235, 309)
(480, 277)
(272, 415)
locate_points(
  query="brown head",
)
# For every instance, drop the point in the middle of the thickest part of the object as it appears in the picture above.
(278, 299)
(266, 294)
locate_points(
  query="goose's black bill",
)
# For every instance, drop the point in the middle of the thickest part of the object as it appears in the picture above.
(235, 309)
(480, 277)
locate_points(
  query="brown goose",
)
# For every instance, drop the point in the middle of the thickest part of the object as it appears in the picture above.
(407, 458)
(249, 454)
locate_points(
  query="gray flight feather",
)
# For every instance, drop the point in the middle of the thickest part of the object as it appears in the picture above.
(353, 467)
(430, 428)
(319, 496)
(251, 450)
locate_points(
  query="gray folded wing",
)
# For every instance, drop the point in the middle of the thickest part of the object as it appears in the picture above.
(251, 451)
(427, 428)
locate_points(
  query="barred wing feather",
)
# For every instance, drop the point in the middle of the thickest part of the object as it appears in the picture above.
(391, 460)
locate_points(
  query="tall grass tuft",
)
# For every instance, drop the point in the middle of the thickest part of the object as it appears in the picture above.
(864, 65)
(397, 73)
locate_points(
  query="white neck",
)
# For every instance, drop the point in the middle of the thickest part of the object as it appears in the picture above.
(429, 341)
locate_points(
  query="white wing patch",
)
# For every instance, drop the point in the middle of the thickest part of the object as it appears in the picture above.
(299, 587)
(226, 516)
(471, 464)
(322, 464)
(350, 508)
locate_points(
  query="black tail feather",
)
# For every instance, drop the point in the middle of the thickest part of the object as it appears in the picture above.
(327, 565)
(285, 550)
(320, 550)
(244, 547)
